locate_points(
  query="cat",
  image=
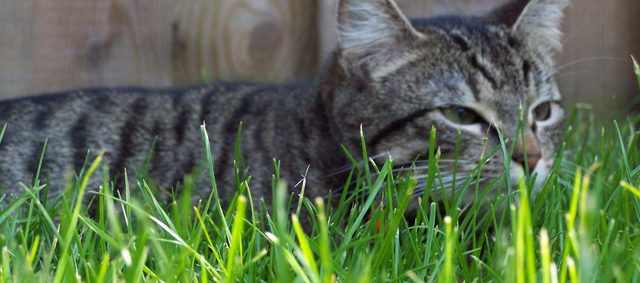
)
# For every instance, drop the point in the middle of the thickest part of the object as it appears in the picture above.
(390, 77)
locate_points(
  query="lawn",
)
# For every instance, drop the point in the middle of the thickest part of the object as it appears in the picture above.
(582, 227)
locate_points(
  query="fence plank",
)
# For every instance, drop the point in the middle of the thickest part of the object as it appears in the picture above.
(54, 45)
(595, 66)
(252, 40)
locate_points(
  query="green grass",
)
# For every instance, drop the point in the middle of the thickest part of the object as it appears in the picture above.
(583, 227)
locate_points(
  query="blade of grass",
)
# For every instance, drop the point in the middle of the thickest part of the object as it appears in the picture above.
(234, 260)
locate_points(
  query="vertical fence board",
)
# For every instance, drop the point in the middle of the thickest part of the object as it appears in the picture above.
(251, 40)
(595, 66)
(54, 45)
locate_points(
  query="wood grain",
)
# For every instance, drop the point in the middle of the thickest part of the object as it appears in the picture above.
(250, 40)
(55, 45)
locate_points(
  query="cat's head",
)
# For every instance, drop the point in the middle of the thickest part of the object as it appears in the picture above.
(398, 78)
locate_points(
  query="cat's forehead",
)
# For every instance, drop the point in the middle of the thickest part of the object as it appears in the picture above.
(471, 28)
(489, 59)
(471, 37)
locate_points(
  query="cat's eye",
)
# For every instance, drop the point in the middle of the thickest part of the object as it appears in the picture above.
(461, 115)
(542, 112)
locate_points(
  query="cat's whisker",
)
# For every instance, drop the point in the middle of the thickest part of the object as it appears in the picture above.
(590, 59)
(339, 171)
(562, 75)
(448, 187)
(417, 168)
(347, 168)
(446, 180)
(420, 161)
(568, 163)
(449, 179)
(573, 33)
(421, 187)
(446, 176)
(385, 154)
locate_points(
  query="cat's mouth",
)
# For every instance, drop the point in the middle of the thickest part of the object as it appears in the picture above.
(536, 178)
(453, 177)
(447, 176)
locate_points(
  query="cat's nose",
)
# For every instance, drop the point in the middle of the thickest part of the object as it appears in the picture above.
(532, 149)
(532, 160)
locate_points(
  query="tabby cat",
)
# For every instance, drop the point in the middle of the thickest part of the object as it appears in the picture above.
(393, 77)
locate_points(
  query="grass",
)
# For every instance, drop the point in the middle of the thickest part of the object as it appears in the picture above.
(583, 227)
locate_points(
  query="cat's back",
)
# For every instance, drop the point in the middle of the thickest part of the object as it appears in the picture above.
(125, 123)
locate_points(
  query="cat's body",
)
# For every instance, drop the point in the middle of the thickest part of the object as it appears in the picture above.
(393, 78)
(125, 121)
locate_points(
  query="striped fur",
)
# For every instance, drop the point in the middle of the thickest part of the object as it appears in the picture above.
(393, 77)
(125, 122)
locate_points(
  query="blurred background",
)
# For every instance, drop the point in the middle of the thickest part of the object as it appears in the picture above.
(57, 45)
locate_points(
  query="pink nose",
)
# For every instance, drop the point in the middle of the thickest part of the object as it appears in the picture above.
(532, 160)
(532, 149)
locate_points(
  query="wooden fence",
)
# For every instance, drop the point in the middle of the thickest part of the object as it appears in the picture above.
(56, 45)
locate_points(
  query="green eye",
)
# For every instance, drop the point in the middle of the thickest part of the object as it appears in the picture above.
(542, 112)
(461, 115)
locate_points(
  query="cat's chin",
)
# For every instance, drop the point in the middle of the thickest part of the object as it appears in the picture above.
(540, 172)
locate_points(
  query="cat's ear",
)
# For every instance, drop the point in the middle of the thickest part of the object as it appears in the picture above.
(371, 34)
(538, 21)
